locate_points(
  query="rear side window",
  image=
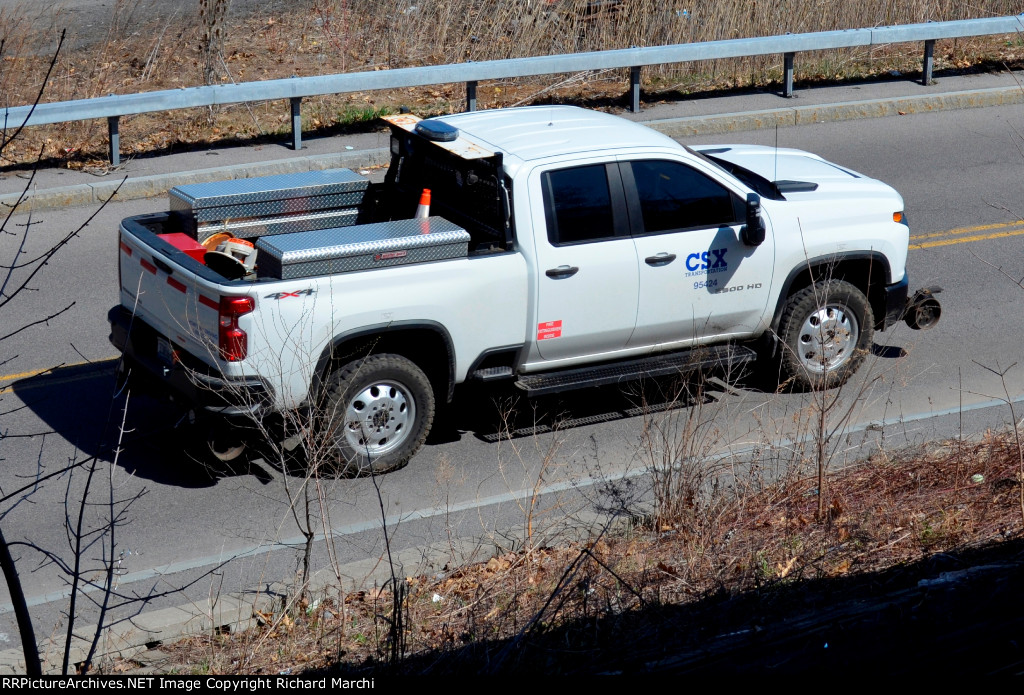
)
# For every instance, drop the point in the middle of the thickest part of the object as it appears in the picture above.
(674, 196)
(578, 205)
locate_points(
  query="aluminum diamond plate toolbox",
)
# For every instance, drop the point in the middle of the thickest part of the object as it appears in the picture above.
(202, 207)
(282, 224)
(347, 249)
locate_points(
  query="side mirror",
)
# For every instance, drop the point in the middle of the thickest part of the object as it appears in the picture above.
(752, 233)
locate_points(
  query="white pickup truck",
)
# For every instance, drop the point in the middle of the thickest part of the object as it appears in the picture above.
(565, 249)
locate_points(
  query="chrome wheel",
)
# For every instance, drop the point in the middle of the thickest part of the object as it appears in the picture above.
(377, 413)
(825, 332)
(827, 339)
(379, 419)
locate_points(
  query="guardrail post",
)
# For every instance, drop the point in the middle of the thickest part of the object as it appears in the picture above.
(471, 96)
(114, 134)
(787, 67)
(929, 62)
(296, 123)
(634, 89)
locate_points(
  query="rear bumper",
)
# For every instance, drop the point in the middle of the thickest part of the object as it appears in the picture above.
(187, 380)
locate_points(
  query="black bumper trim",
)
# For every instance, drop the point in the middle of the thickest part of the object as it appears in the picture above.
(895, 303)
(191, 381)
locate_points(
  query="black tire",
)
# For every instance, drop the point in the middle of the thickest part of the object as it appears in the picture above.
(826, 330)
(376, 414)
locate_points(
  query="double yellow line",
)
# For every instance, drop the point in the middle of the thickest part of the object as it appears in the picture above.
(7, 380)
(965, 235)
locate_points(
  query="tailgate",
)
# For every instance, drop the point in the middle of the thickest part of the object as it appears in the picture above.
(165, 287)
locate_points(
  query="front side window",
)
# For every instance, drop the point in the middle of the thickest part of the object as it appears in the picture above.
(674, 196)
(578, 205)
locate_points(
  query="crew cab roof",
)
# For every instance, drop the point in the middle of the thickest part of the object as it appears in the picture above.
(534, 132)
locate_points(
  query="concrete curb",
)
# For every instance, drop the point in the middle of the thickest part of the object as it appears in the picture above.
(159, 184)
(150, 186)
(843, 111)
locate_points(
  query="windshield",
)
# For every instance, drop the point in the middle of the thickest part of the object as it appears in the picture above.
(759, 184)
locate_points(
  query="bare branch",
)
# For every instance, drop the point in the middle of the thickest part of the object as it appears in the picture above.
(37, 322)
(42, 260)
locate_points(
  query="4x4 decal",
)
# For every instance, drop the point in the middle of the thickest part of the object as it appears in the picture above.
(286, 295)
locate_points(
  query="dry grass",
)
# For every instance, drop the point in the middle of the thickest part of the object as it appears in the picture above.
(572, 608)
(332, 36)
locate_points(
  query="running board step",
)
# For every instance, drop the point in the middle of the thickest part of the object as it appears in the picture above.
(492, 373)
(730, 356)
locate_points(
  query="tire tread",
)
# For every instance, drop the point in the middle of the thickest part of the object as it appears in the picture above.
(343, 378)
(807, 300)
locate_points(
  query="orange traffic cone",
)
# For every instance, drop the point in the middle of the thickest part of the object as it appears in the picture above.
(423, 210)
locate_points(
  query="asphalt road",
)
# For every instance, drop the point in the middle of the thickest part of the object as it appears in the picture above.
(959, 173)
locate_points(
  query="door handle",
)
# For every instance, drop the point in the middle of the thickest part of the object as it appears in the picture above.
(660, 259)
(562, 271)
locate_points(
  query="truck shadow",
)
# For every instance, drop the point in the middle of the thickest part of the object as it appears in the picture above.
(81, 405)
(508, 413)
(891, 352)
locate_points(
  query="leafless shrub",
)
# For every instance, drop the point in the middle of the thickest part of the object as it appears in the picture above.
(211, 15)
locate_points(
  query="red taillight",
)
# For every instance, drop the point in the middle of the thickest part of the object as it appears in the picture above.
(234, 343)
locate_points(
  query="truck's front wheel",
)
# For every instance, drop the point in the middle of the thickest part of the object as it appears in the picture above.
(826, 330)
(377, 413)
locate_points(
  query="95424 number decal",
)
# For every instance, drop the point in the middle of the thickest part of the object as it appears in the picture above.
(703, 284)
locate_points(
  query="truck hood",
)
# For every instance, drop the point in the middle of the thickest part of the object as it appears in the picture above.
(799, 174)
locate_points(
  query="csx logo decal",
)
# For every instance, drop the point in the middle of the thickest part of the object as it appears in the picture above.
(286, 295)
(712, 261)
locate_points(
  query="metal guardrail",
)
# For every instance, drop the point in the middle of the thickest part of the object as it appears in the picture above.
(294, 89)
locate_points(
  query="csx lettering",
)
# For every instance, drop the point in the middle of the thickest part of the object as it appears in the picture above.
(699, 261)
(693, 261)
(285, 295)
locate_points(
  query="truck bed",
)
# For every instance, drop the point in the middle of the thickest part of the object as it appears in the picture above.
(175, 305)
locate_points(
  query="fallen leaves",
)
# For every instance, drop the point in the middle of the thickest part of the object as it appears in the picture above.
(783, 570)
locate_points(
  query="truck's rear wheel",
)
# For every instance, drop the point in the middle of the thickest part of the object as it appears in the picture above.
(826, 330)
(377, 413)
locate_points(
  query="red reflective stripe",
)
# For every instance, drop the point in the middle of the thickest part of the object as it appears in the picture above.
(148, 266)
(126, 248)
(206, 301)
(180, 286)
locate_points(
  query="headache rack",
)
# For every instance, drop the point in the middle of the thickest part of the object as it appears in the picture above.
(466, 182)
